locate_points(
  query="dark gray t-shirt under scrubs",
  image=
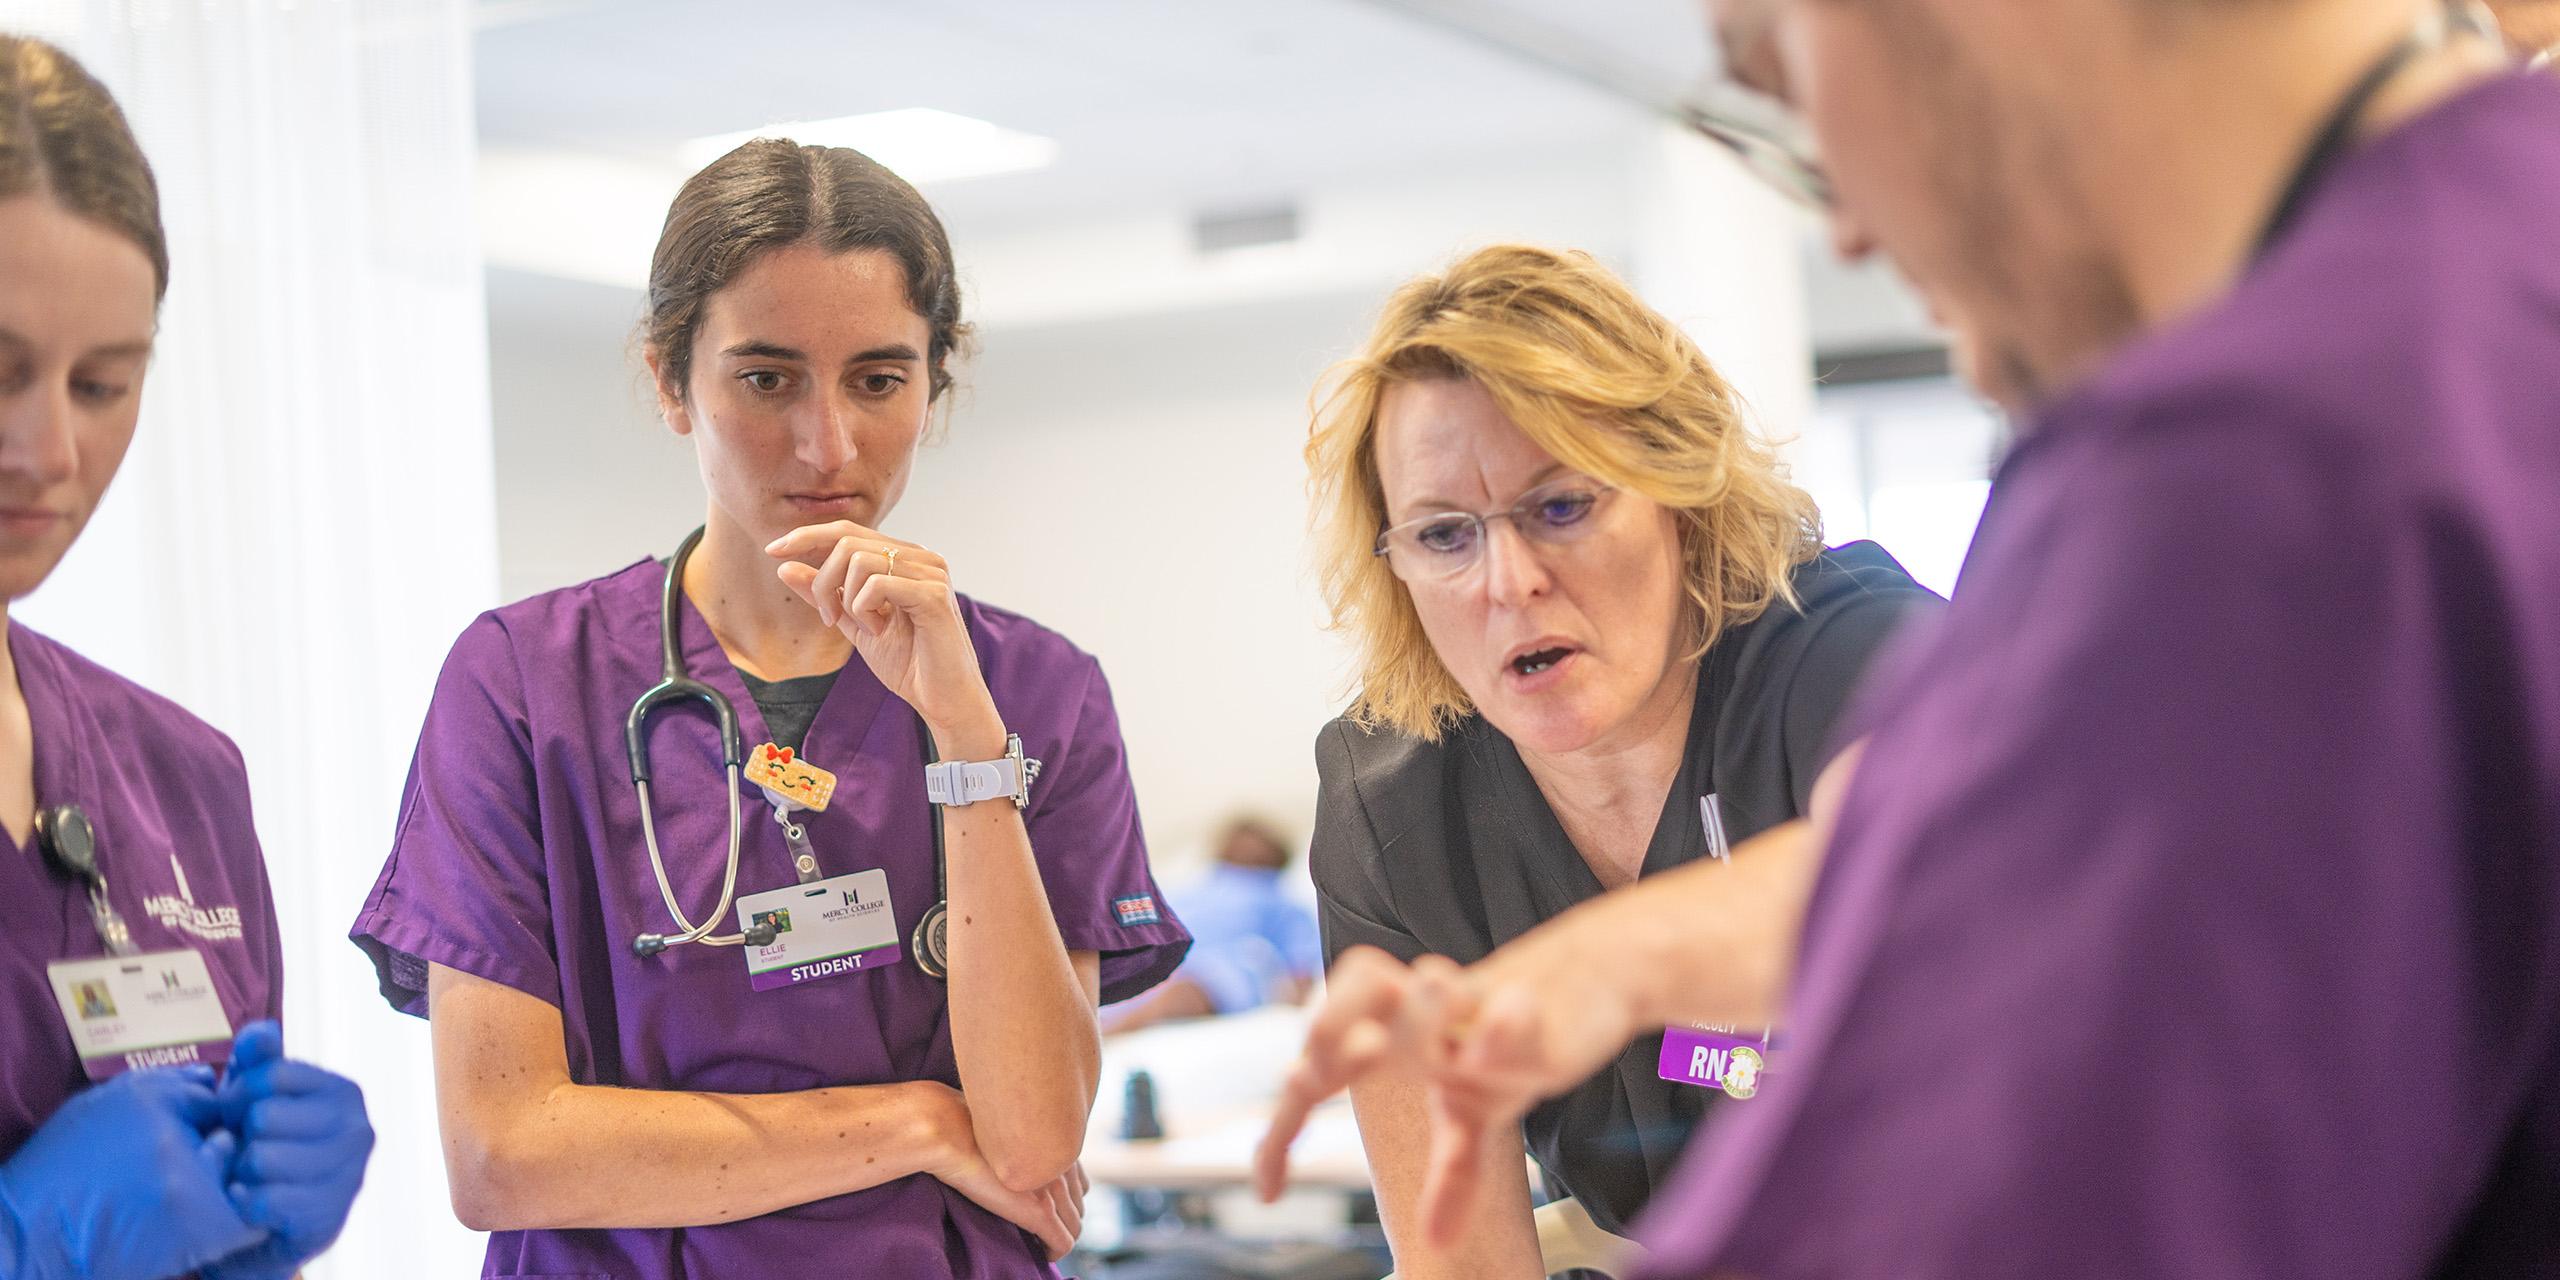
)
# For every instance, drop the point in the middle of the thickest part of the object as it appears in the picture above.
(1450, 849)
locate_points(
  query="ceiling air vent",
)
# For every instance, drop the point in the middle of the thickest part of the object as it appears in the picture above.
(1244, 228)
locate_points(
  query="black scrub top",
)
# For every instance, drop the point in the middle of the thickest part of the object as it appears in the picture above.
(1450, 849)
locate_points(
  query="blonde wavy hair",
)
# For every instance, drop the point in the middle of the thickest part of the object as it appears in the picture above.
(1605, 385)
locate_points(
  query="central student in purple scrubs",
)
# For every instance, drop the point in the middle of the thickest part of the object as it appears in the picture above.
(609, 1112)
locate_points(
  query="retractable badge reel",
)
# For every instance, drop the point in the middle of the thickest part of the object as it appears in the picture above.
(71, 844)
(792, 785)
(129, 1008)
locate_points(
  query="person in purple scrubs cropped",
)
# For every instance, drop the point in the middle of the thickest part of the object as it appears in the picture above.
(138, 939)
(842, 1088)
(2194, 908)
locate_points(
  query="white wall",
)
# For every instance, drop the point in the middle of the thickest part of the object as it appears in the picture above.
(589, 479)
(1136, 484)
(1123, 459)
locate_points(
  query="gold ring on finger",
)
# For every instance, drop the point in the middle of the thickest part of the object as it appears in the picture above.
(893, 561)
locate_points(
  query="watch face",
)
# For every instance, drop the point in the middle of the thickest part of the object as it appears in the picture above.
(1025, 771)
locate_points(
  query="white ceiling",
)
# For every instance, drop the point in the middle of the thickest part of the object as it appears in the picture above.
(1193, 105)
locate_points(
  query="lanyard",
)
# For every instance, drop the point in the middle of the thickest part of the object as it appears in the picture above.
(2330, 145)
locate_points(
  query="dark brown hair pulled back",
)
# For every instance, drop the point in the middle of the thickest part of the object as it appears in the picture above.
(772, 193)
(62, 136)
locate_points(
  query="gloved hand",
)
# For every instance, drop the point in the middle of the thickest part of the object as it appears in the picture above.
(303, 1143)
(125, 1182)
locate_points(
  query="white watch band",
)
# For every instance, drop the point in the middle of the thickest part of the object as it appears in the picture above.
(966, 782)
(959, 782)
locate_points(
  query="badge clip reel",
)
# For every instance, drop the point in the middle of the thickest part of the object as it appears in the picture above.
(72, 845)
(791, 785)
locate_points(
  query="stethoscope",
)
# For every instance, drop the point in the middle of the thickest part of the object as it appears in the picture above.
(71, 845)
(932, 940)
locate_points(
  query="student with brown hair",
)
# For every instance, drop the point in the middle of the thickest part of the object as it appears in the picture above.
(884, 1060)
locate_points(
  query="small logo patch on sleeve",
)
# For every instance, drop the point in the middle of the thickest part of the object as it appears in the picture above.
(1137, 910)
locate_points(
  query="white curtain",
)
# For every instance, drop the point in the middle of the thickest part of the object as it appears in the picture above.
(307, 517)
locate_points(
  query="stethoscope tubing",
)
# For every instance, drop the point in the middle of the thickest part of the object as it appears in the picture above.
(675, 685)
(728, 877)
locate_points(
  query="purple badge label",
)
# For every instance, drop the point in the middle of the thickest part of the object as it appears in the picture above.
(1136, 910)
(1714, 1059)
(811, 970)
(211, 1053)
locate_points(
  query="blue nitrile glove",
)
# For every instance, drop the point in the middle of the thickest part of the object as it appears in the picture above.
(303, 1143)
(125, 1182)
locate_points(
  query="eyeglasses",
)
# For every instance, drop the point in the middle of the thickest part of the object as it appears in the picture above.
(1760, 129)
(1431, 548)
(1765, 135)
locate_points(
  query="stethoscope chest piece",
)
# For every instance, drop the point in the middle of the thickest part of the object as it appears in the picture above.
(933, 941)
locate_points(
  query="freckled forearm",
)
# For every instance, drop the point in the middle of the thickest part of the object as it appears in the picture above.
(584, 1156)
(1023, 1025)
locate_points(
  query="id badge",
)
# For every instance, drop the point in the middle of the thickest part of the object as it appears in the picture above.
(1714, 1058)
(821, 929)
(158, 1009)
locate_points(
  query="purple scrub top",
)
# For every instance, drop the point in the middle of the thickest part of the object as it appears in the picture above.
(519, 859)
(2196, 908)
(170, 801)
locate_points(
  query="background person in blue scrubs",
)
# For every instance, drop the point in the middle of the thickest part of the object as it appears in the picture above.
(1252, 943)
(152, 1172)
